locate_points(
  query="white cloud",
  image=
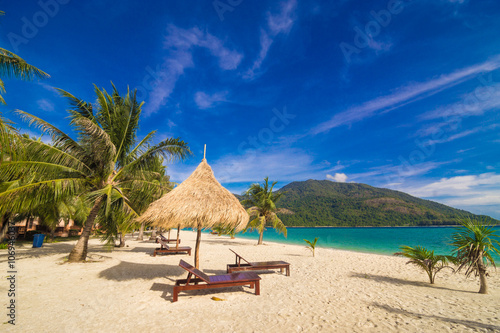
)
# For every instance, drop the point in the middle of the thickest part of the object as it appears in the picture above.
(180, 44)
(479, 194)
(282, 21)
(45, 105)
(338, 177)
(476, 103)
(265, 44)
(206, 101)
(278, 23)
(405, 95)
(460, 186)
(278, 163)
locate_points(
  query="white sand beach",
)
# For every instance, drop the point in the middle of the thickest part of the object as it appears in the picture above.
(129, 290)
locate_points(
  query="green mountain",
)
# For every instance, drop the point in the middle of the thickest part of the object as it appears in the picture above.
(327, 203)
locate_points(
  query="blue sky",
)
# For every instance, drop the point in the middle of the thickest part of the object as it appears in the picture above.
(396, 94)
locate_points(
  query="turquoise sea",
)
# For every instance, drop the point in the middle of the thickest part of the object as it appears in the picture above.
(372, 240)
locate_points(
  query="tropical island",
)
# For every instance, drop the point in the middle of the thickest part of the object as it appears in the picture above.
(116, 218)
(325, 203)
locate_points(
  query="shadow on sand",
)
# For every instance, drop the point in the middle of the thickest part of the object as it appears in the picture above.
(393, 280)
(468, 323)
(125, 271)
(64, 248)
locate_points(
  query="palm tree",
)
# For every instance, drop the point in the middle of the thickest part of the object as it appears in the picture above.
(11, 65)
(426, 259)
(263, 207)
(121, 223)
(474, 243)
(311, 245)
(105, 165)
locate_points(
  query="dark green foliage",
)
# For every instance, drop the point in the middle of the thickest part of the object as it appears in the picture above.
(474, 245)
(426, 259)
(326, 203)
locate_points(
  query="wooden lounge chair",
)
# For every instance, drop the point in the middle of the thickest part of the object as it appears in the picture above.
(167, 249)
(257, 266)
(166, 240)
(203, 281)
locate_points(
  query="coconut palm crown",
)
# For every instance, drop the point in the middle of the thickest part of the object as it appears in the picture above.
(105, 164)
(262, 202)
(474, 244)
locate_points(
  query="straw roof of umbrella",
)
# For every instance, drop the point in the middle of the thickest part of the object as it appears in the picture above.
(198, 202)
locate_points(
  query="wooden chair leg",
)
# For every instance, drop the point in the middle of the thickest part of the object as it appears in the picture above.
(257, 287)
(175, 294)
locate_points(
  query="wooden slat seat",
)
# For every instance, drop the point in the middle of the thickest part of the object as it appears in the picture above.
(167, 249)
(257, 266)
(204, 281)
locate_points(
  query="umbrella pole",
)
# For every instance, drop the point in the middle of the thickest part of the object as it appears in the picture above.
(178, 231)
(197, 249)
(168, 234)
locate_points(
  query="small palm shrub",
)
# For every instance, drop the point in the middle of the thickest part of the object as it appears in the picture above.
(426, 260)
(311, 245)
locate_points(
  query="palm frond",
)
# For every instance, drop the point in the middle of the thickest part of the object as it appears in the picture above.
(80, 106)
(11, 65)
(59, 138)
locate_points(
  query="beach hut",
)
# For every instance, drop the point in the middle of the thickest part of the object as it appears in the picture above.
(199, 202)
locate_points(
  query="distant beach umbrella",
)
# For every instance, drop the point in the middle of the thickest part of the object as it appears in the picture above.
(199, 202)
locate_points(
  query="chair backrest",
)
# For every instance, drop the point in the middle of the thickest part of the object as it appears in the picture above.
(163, 238)
(237, 255)
(194, 271)
(164, 244)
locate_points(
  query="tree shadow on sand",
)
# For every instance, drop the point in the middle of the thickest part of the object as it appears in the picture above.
(468, 323)
(396, 281)
(126, 271)
(64, 248)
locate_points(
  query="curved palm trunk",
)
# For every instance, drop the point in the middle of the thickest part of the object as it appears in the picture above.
(122, 239)
(141, 232)
(153, 234)
(483, 289)
(5, 225)
(79, 252)
(52, 233)
(261, 236)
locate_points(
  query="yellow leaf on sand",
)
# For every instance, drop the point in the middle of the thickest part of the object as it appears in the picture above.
(217, 299)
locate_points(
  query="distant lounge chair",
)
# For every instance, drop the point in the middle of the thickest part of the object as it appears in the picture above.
(167, 249)
(166, 240)
(203, 281)
(257, 266)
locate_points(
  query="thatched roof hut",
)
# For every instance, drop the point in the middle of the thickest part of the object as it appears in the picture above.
(198, 202)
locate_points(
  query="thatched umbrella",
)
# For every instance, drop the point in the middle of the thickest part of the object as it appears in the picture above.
(198, 202)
